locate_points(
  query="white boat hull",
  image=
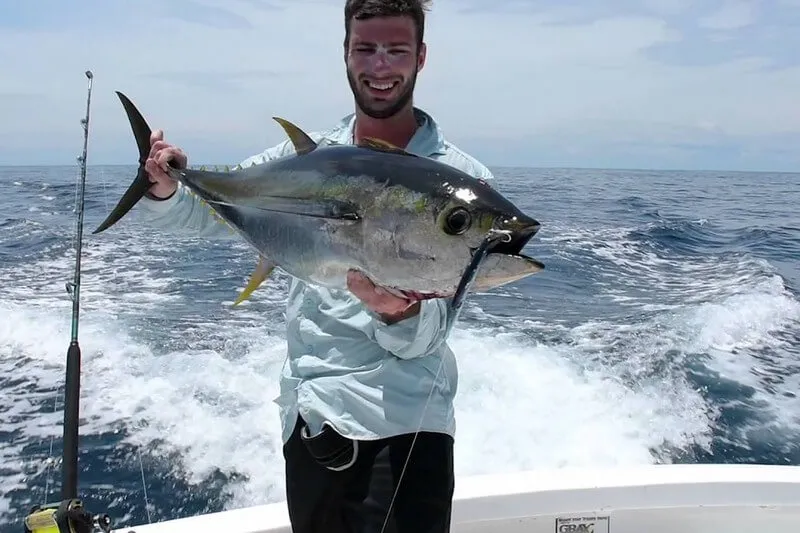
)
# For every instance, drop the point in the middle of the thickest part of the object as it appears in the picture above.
(652, 499)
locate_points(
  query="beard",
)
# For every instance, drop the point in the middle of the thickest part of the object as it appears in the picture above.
(381, 110)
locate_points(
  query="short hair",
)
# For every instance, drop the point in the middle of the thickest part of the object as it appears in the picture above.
(366, 9)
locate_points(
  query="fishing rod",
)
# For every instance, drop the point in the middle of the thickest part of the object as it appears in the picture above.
(69, 515)
(69, 466)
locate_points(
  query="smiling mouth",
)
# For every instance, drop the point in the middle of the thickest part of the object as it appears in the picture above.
(381, 86)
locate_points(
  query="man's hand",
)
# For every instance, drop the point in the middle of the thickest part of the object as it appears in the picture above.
(391, 308)
(161, 154)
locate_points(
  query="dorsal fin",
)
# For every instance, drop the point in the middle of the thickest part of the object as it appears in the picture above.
(303, 144)
(383, 146)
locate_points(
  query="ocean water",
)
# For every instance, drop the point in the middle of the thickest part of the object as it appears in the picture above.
(666, 328)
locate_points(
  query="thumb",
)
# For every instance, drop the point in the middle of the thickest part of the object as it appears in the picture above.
(156, 136)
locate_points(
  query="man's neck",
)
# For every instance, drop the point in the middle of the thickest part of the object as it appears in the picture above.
(396, 130)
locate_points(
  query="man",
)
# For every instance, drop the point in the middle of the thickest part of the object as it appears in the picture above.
(365, 370)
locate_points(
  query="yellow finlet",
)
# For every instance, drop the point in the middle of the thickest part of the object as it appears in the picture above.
(263, 270)
(303, 144)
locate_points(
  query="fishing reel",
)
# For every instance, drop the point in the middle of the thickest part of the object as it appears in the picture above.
(67, 516)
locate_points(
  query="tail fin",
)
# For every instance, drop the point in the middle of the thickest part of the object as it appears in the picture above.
(140, 185)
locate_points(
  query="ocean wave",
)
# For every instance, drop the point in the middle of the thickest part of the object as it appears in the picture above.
(667, 333)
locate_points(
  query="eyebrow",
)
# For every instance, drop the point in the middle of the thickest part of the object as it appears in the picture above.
(392, 43)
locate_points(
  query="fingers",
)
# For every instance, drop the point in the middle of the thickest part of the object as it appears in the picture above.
(170, 154)
(161, 155)
(154, 171)
(375, 297)
(362, 287)
(157, 135)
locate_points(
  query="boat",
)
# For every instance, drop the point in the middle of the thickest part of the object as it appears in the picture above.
(651, 498)
(662, 498)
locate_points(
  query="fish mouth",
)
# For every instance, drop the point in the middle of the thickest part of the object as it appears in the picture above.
(519, 231)
(504, 261)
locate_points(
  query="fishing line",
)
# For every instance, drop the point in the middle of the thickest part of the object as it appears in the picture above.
(144, 486)
(50, 461)
(467, 278)
(137, 447)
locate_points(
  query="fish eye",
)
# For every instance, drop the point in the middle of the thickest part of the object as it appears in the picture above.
(457, 221)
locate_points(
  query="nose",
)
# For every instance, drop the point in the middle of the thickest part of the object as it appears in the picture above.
(380, 60)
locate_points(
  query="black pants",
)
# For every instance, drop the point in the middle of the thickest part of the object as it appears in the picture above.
(356, 499)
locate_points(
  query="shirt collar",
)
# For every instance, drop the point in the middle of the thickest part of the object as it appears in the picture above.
(427, 141)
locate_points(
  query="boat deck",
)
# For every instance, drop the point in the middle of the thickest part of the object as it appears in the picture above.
(651, 499)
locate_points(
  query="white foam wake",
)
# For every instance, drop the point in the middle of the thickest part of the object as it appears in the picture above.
(600, 392)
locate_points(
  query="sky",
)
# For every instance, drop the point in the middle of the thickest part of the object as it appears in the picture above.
(656, 84)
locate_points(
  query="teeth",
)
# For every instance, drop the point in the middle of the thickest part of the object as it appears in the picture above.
(381, 86)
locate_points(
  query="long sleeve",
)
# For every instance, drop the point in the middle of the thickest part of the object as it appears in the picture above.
(416, 336)
(183, 211)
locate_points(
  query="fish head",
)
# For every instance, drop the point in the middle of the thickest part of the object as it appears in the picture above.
(456, 218)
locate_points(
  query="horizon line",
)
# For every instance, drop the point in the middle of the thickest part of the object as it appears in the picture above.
(504, 167)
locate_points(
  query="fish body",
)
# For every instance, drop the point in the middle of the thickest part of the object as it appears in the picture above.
(410, 223)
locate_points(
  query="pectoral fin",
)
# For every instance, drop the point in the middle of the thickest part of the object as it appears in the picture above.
(262, 272)
(331, 209)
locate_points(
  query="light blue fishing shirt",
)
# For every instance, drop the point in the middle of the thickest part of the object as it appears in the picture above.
(344, 365)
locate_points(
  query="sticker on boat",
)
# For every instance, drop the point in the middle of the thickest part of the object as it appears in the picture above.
(582, 524)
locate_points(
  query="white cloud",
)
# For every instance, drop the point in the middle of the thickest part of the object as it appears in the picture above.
(668, 7)
(495, 80)
(731, 16)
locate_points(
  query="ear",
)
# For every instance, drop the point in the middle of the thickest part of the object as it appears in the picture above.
(423, 52)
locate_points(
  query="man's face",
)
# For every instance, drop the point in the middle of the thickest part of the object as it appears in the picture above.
(382, 64)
